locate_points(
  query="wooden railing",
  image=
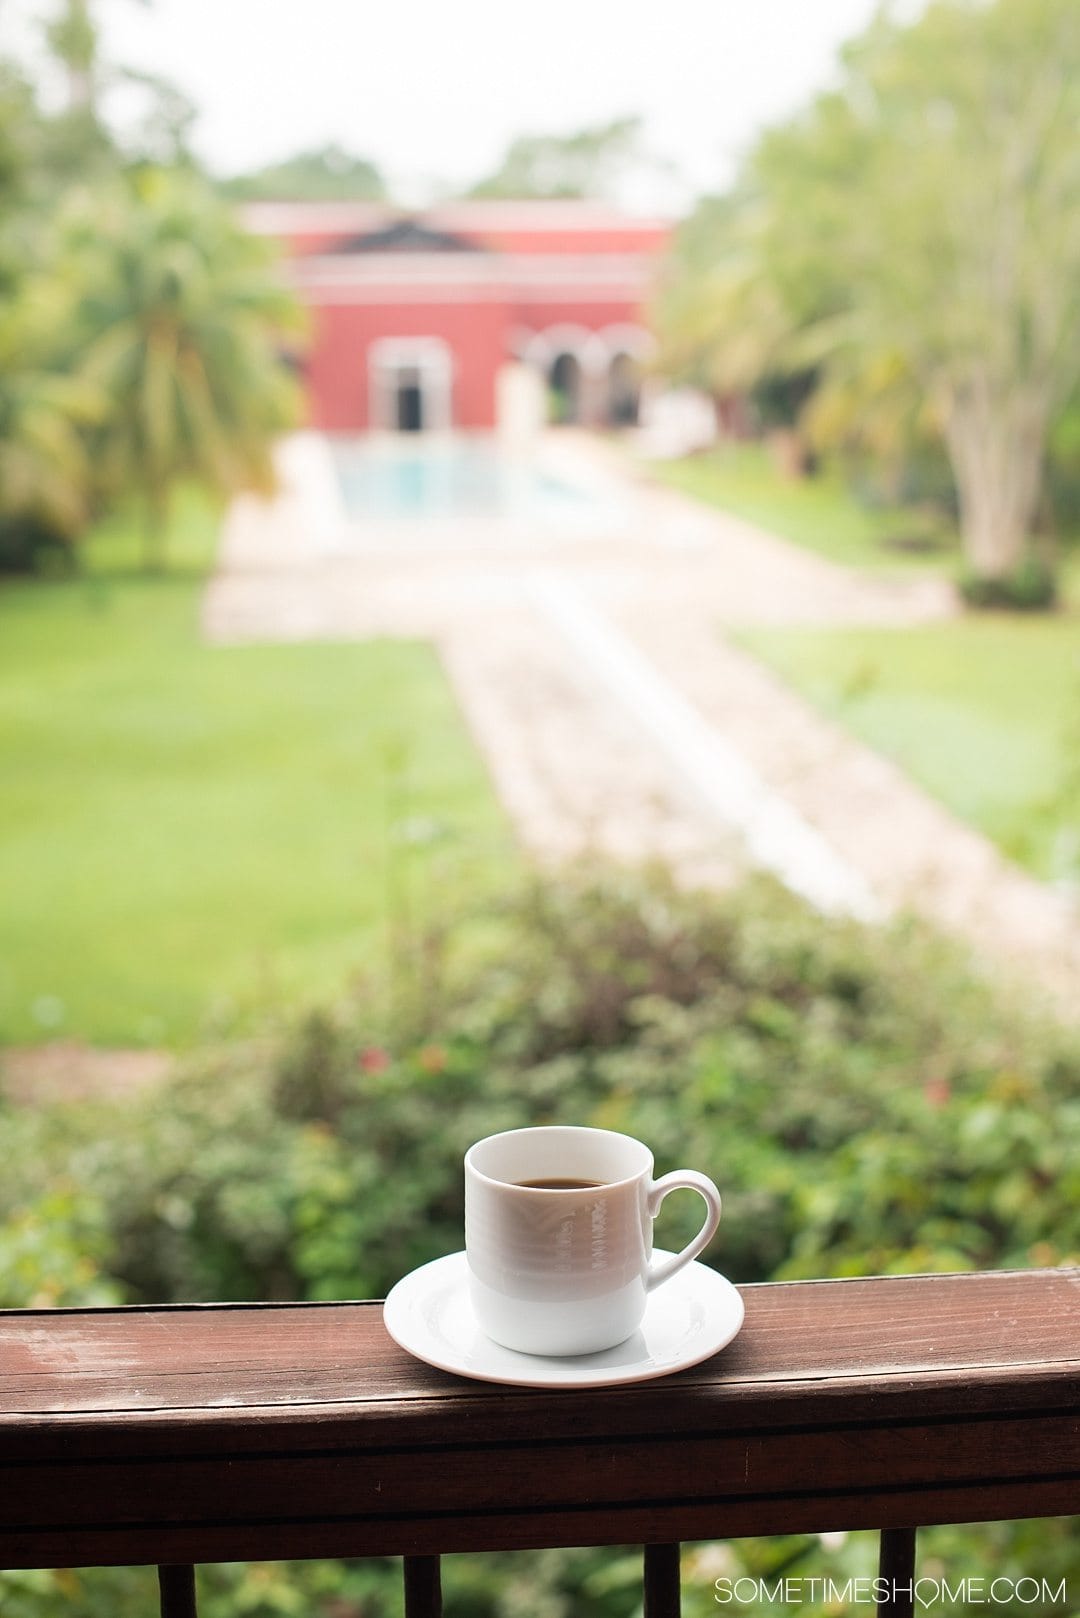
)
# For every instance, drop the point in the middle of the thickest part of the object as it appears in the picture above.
(202, 1434)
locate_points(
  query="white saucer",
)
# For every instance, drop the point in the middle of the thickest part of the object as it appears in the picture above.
(429, 1314)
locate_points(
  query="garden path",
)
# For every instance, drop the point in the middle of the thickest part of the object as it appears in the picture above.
(616, 714)
(66, 1070)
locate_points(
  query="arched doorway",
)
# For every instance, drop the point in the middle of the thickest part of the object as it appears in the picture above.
(564, 384)
(624, 391)
(410, 383)
(409, 400)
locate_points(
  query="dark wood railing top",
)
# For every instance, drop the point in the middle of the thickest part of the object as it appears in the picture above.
(210, 1432)
(946, 1339)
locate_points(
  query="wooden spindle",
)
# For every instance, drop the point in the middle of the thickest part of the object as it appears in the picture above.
(177, 1585)
(896, 1567)
(423, 1587)
(662, 1598)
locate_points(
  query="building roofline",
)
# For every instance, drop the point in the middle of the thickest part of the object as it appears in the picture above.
(565, 214)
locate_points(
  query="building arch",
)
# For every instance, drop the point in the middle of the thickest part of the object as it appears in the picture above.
(566, 357)
(544, 347)
(410, 384)
(566, 388)
(592, 376)
(623, 403)
(629, 347)
(630, 339)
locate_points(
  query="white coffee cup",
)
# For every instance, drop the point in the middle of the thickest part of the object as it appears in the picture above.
(567, 1269)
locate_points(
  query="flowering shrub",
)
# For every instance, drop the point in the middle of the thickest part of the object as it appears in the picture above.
(864, 1104)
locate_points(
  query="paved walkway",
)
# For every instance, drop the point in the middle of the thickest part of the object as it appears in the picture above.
(616, 716)
(65, 1070)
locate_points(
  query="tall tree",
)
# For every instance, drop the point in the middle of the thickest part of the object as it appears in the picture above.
(45, 410)
(722, 325)
(75, 141)
(46, 414)
(592, 162)
(180, 326)
(83, 139)
(323, 174)
(71, 33)
(16, 121)
(73, 39)
(925, 217)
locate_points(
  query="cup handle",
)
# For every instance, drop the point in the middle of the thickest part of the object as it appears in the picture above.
(689, 1180)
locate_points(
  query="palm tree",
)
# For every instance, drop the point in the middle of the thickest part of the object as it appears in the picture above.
(45, 473)
(72, 35)
(182, 320)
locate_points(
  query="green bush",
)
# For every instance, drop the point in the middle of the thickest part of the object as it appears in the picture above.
(1031, 587)
(29, 547)
(864, 1103)
(51, 1252)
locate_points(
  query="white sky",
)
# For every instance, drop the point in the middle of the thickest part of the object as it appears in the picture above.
(433, 90)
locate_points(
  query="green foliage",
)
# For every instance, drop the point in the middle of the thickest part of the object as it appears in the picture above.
(1063, 471)
(51, 1251)
(141, 328)
(591, 162)
(777, 399)
(863, 1104)
(1031, 587)
(94, 1592)
(73, 39)
(75, 141)
(46, 416)
(324, 174)
(16, 104)
(721, 321)
(161, 134)
(179, 322)
(904, 234)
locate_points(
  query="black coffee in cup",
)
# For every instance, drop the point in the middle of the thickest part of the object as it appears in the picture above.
(558, 1185)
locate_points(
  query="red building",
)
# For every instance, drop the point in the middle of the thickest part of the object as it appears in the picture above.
(415, 317)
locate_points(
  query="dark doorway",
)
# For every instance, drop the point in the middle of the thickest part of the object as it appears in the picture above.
(410, 402)
(564, 380)
(624, 392)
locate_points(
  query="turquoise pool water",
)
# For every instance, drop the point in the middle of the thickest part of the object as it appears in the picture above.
(418, 479)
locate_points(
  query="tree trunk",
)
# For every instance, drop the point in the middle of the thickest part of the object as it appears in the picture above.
(74, 39)
(996, 448)
(155, 523)
(787, 452)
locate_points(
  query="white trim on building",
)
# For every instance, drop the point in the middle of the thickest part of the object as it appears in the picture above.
(390, 360)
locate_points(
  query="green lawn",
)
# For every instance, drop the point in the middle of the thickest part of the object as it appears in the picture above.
(190, 831)
(819, 512)
(983, 712)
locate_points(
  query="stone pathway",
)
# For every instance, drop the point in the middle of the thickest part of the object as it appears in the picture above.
(64, 1070)
(615, 715)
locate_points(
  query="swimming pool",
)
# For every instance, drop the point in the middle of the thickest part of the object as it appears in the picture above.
(418, 479)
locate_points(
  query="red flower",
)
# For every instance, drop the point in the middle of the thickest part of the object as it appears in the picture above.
(373, 1059)
(937, 1092)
